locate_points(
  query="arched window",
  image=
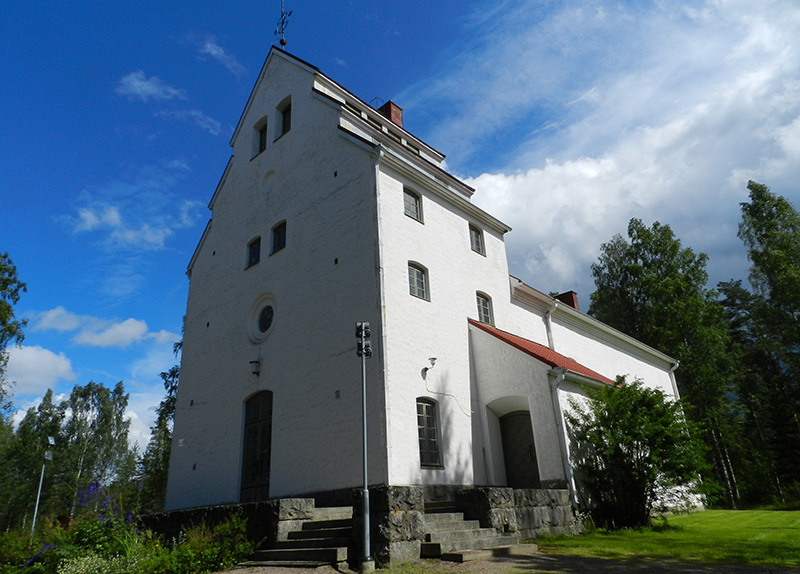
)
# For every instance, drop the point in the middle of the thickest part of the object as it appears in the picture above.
(476, 240)
(260, 136)
(418, 281)
(254, 252)
(257, 447)
(284, 117)
(484, 308)
(428, 430)
(278, 237)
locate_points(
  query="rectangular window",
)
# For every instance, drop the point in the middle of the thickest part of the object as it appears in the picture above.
(254, 252)
(412, 205)
(476, 240)
(417, 282)
(286, 118)
(278, 237)
(428, 433)
(262, 138)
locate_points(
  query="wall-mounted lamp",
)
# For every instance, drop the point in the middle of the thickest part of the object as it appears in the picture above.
(425, 370)
(255, 367)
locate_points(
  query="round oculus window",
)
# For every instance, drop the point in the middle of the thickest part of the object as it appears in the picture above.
(265, 318)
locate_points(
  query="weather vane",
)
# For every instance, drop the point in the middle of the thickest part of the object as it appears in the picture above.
(282, 23)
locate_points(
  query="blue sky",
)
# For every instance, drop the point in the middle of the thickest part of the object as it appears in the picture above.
(568, 117)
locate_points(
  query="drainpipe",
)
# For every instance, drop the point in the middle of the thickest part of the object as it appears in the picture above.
(673, 381)
(548, 326)
(562, 433)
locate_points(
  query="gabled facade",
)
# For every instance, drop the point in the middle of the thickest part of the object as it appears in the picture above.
(329, 213)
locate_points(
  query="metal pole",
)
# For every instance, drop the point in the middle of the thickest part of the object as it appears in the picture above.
(367, 565)
(38, 496)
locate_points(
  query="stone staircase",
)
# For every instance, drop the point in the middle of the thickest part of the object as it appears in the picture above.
(450, 537)
(320, 541)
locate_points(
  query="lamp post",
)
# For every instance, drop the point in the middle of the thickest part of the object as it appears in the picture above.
(364, 350)
(47, 456)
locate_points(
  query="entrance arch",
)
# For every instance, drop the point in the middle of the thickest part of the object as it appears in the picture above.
(519, 450)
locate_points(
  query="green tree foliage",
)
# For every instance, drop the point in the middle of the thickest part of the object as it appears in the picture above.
(654, 289)
(155, 462)
(10, 327)
(631, 447)
(765, 324)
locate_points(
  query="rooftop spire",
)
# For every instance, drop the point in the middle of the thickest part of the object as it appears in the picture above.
(280, 30)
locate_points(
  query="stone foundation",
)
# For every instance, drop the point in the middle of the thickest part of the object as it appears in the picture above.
(271, 519)
(529, 513)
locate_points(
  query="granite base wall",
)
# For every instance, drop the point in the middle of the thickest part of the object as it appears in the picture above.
(529, 513)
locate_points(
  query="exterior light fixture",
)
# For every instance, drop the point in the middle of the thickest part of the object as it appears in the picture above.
(255, 367)
(432, 361)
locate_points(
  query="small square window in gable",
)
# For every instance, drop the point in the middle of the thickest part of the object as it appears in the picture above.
(254, 252)
(278, 237)
(412, 204)
(476, 240)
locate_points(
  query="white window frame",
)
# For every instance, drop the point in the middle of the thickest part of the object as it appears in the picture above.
(430, 451)
(412, 204)
(476, 242)
(485, 312)
(416, 274)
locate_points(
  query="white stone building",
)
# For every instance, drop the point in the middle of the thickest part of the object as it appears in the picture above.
(329, 213)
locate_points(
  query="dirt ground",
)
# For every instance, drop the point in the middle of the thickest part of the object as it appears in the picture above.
(553, 564)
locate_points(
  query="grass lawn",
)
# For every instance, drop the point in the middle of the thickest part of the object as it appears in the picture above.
(743, 536)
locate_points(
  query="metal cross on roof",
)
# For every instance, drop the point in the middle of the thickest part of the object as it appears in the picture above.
(282, 23)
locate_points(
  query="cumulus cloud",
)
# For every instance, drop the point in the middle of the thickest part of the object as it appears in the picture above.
(34, 369)
(137, 86)
(208, 46)
(116, 335)
(97, 332)
(571, 121)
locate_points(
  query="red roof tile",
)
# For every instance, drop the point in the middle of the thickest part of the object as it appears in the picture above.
(540, 352)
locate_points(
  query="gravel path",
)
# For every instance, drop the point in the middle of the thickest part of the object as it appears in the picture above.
(555, 564)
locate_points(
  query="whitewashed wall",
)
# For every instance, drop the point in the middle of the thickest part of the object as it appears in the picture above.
(321, 283)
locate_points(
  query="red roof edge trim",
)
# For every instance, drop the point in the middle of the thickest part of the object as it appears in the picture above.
(540, 352)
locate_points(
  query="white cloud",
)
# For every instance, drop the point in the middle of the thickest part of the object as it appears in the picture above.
(97, 332)
(116, 335)
(35, 369)
(209, 47)
(141, 213)
(196, 117)
(58, 319)
(584, 117)
(138, 86)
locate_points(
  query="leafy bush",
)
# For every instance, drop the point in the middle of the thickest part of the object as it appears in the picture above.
(94, 546)
(632, 449)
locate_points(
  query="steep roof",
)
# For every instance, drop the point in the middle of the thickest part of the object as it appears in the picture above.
(540, 352)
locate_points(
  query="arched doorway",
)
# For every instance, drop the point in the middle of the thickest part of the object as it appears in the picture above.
(519, 450)
(257, 447)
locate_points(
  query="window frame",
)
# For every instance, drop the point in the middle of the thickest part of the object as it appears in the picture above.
(476, 236)
(278, 238)
(252, 246)
(416, 198)
(413, 282)
(484, 311)
(429, 445)
(284, 118)
(260, 135)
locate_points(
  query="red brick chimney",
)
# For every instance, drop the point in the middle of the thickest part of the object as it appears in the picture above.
(393, 112)
(570, 298)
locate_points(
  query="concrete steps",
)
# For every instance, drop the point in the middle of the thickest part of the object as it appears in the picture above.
(321, 541)
(448, 532)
